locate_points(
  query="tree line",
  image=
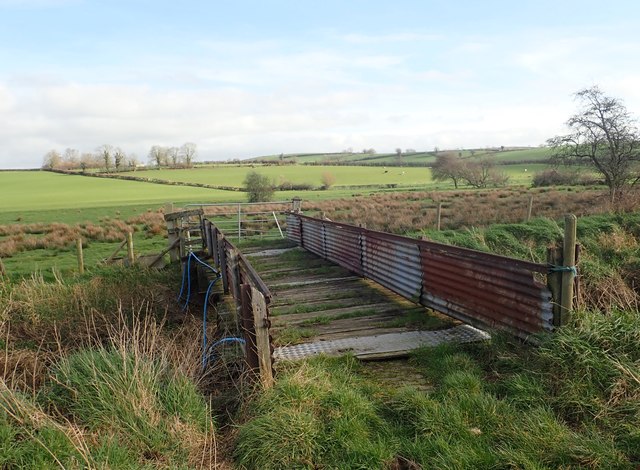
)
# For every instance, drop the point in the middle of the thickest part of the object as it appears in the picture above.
(110, 158)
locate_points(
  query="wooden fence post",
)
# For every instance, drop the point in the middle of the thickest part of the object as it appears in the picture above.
(296, 205)
(80, 255)
(438, 216)
(172, 234)
(568, 261)
(530, 208)
(263, 342)
(130, 255)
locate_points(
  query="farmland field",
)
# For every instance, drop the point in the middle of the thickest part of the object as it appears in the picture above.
(31, 190)
(345, 176)
(507, 155)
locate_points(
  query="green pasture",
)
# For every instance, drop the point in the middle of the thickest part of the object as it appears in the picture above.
(225, 175)
(345, 176)
(64, 261)
(507, 155)
(541, 153)
(31, 190)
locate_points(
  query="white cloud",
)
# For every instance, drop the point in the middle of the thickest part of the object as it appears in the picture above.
(238, 99)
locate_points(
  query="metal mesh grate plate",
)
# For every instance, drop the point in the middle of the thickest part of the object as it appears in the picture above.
(390, 343)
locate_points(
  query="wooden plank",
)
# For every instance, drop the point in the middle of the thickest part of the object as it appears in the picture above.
(247, 322)
(115, 252)
(182, 214)
(155, 260)
(222, 257)
(263, 341)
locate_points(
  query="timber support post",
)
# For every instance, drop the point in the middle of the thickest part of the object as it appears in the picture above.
(438, 216)
(296, 205)
(80, 255)
(172, 233)
(263, 341)
(130, 255)
(569, 264)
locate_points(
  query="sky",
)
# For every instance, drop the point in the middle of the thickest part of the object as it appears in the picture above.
(249, 78)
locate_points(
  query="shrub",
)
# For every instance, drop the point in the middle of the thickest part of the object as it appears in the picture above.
(328, 180)
(259, 187)
(289, 186)
(554, 177)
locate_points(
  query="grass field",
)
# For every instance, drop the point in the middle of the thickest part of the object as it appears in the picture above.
(344, 175)
(507, 155)
(30, 190)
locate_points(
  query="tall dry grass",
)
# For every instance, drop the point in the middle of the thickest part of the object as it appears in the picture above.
(411, 212)
(109, 383)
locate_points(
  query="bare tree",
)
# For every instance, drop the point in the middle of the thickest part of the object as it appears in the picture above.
(482, 173)
(118, 157)
(71, 158)
(132, 161)
(173, 154)
(87, 160)
(189, 151)
(603, 135)
(158, 155)
(52, 160)
(399, 156)
(448, 166)
(104, 152)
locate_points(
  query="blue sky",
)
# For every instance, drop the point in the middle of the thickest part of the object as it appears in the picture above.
(251, 78)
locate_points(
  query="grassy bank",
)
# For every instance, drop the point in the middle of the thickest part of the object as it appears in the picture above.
(574, 402)
(609, 263)
(97, 373)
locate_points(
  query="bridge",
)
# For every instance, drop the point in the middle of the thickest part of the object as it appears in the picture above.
(335, 288)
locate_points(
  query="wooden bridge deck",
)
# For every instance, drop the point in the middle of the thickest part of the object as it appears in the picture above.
(315, 301)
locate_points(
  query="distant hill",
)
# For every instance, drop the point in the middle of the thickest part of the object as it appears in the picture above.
(505, 156)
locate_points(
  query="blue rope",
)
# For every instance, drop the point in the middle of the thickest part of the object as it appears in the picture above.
(186, 276)
(228, 339)
(563, 269)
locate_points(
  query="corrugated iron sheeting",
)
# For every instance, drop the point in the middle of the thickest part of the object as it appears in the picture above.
(293, 228)
(480, 288)
(394, 265)
(343, 247)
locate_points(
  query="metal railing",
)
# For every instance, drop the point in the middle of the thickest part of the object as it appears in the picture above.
(247, 219)
(478, 288)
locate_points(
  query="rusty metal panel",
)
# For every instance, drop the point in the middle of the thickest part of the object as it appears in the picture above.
(313, 237)
(342, 246)
(394, 264)
(484, 289)
(293, 228)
